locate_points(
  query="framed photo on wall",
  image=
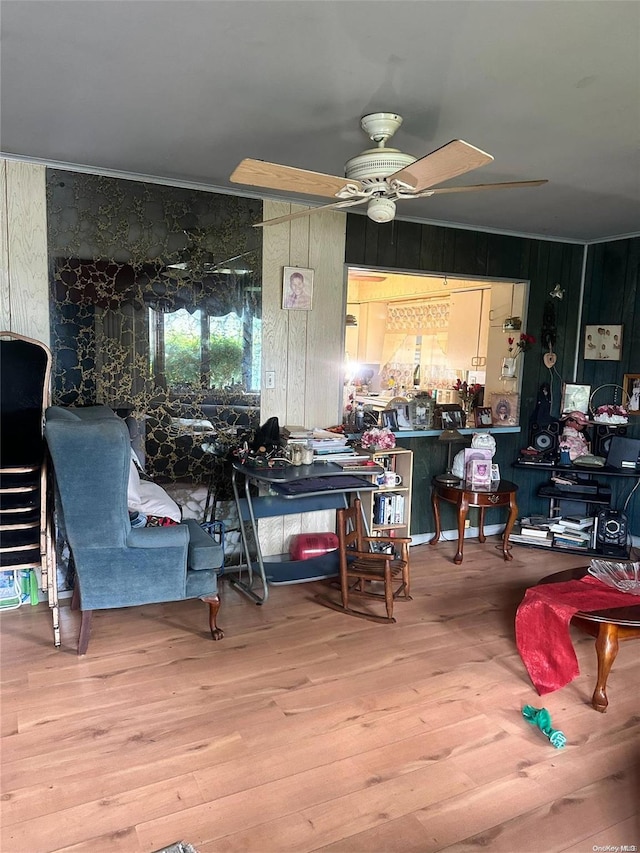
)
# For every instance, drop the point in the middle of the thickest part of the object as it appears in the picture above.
(631, 384)
(602, 343)
(504, 409)
(575, 398)
(297, 289)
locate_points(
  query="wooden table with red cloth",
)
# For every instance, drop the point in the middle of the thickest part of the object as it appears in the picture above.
(542, 628)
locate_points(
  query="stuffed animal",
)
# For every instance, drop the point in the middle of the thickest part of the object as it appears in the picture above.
(573, 438)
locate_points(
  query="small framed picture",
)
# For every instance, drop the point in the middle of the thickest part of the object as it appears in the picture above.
(504, 409)
(389, 419)
(452, 418)
(297, 289)
(403, 413)
(483, 416)
(480, 470)
(575, 398)
(631, 384)
(603, 343)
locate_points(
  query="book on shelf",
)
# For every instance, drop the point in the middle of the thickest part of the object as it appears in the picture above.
(535, 525)
(388, 508)
(534, 532)
(521, 538)
(563, 542)
(577, 522)
(570, 537)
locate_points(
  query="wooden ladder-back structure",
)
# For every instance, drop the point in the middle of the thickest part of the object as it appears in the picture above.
(25, 506)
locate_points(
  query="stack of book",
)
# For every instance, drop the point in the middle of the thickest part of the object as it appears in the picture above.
(388, 508)
(573, 532)
(533, 530)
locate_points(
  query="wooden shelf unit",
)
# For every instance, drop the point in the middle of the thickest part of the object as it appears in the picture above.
(400, 461)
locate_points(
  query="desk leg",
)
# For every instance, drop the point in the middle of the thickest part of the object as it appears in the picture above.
(463, 509)
(435, 505)
(606, 649)
(481, 536)
(234, 579)
(513, 514)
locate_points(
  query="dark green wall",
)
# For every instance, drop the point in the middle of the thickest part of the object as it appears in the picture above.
(610, 296)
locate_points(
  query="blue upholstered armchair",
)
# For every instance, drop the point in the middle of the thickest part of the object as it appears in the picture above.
(117, 565)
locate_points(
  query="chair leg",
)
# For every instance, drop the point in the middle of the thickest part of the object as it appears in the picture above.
(75, 596)
(388, 591)
(85, 631)
(214, 606)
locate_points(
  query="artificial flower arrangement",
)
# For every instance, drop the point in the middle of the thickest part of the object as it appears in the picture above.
(380, 438)
(524, 343)
(467, 392)
(611, 415)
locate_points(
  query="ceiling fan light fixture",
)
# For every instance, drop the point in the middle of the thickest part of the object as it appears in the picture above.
(381, 209)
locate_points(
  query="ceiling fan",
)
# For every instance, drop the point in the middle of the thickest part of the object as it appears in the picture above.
(378, 177)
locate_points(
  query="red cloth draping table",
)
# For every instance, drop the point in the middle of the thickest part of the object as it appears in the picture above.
(542, 627)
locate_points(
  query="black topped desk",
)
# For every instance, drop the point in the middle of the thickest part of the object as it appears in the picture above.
(298, 488)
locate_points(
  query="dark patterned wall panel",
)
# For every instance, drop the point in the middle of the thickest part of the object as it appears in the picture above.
(121, 253)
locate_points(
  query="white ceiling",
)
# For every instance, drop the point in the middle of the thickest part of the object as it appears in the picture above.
(182, 91)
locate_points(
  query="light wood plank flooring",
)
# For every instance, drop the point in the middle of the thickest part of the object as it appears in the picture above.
(306, 729)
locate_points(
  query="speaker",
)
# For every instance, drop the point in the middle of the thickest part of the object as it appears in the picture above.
(545, 437)
(602, 435)
(611, 532)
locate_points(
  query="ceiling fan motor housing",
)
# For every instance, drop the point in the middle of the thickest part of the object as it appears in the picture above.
(377, 164)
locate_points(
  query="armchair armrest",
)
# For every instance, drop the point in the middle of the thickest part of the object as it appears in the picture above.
(175, 536)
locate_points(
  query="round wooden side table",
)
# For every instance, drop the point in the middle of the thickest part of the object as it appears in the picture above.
(502, 494)
(608, 627)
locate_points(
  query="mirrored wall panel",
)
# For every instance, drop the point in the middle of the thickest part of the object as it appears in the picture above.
(156, 312)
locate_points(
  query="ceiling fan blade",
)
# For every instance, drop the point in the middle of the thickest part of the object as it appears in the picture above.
(509, 185)
(336, 206)
(258, 173)
(454, 158)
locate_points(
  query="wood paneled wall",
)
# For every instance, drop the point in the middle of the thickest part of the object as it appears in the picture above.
(24, 285)
(303, 348)
(612, 296)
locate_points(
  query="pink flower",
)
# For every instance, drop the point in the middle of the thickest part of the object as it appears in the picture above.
(379, 437)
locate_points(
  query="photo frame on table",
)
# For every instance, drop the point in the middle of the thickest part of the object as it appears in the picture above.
(575, 398)
(297, 289)
(631, 384)
(452, 419)
(403, 415)
(389, 419)
(504, 409)
(602, 343)
(483, 416)
(479, 473)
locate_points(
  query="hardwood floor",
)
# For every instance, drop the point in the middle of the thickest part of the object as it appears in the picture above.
(306, 729)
